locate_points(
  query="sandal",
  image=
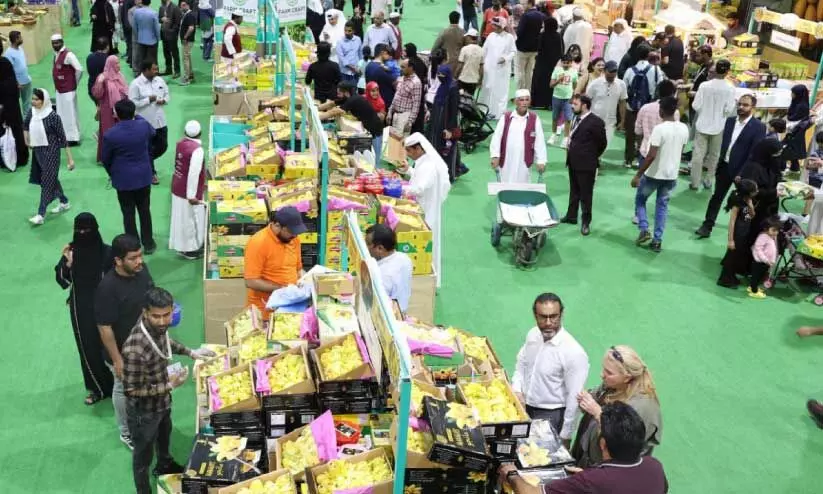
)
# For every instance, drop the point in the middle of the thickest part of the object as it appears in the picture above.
(92, 398)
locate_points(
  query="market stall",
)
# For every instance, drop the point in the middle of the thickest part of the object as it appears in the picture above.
(36, 24)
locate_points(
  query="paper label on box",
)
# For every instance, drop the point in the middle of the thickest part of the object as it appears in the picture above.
(503, 448)
(520, 430)
(277, 419)
(488, 430)
(306, 419)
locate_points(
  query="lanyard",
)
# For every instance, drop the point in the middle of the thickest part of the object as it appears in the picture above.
(154, 345)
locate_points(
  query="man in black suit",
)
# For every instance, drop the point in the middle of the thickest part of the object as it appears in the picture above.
(740, 136)
(587, 141)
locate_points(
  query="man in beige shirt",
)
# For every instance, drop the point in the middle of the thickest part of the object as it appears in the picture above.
(470, 64)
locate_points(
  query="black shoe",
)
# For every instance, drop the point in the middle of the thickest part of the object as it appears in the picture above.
(703, 232)
(150, 249)
(176, 75)
(643, 238)
(728, 282)
(165, 73)
(585, 230)
(656, 246)
(197, 254)
(568, 221)
(167, 468)
(73, 144)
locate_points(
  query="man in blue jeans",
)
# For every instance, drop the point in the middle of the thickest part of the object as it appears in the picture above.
(658, 173)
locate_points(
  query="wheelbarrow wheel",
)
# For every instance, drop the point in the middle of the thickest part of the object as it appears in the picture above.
(469, 148)
(497, 232)
(768, 283)
(526, 252)
(818, 300)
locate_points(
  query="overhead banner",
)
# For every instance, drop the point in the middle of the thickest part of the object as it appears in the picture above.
(246, 8)
(291, 11)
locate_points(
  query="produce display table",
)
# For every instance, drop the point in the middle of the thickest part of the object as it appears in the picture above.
(36, 42)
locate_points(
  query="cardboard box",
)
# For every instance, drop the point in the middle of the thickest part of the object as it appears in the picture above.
(350, 405)
(334, 284)
(278, 423)
(305, 387)
(285, 326)
(204, 471)
(231, 267)
(357, 381)
(461, 447)
(236, 229)
(251, 403)
(278, 450)
(394, 149)
(263, 171)
(237, 420)
(225, 190)
(232, 212)
(312, 474)
(234, 333)
(231, 245)
(299, 165)
(335, 319)
(502, 430)
(268, 477)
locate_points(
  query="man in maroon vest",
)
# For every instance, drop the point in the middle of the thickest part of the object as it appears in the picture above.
(231, 39)
(518, 142)
(188, 211)
(66, 73)
(394, 24)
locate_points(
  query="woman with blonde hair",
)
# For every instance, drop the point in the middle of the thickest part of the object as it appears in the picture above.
(625, 378)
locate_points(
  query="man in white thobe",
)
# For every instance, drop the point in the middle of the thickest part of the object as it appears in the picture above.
(498, 53)
(429, 182)
(579, 33)
(187, 233)
(518, 142)
(66, 74)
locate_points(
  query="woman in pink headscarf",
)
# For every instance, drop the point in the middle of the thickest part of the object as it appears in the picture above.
(109, 88)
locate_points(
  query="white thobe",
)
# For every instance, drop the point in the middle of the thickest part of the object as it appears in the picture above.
(188, 222)
(429, 182)
(495, 90)
(580, 33)
(514, 169)
(67, 102)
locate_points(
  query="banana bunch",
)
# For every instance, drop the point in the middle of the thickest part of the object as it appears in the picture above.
(474, 346)
(252, 348)
(282, 485)
(462, 415)
(234, 388)
(492, 402)
(300, 453)
(814, 244)
(227, 447)
(215, 366)
(532, 455)
(341, 358)
(287, 371)
(419, 442)
(240, 327)
(286, 326)
(343, 474)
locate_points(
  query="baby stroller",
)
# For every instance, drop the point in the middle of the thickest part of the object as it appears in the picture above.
(474, 122)
(801, 258)
(527, 216)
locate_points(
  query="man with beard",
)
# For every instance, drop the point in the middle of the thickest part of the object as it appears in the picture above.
(66, 73)
(551, 368)
(117, 306)
(148, 385)
(273, 258)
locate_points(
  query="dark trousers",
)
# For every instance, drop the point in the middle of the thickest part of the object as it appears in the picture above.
(171, 54)
(141, 54)
(138, 201)
(722, 183)
(469, 19)
(468, 87)
(555, 417)
(758, 273)
(581, 192)
(127, 40)
(148, 430)
(631, 142)
(159, 145)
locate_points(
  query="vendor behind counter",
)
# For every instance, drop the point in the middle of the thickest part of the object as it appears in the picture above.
(348, 101)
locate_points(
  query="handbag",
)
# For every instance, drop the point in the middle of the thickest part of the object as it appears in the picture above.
(8, 148)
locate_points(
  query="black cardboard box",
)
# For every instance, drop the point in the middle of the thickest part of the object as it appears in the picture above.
(204, 471)
(445, 481)
(348, 406)
(461, 447)
(236, 419)
(505, 448)
(281, 422)
(283, 402)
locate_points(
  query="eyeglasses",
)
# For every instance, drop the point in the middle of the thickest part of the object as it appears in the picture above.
(616, 354)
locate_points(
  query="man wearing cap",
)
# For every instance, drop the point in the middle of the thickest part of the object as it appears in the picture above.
(429, 183)
(470, 64)
(232, 44)
(579, 33)
(498, 52)
(66, 73)
(609, 95)
(394, 24)
(273, 259)
(518, 142)
(188, 211)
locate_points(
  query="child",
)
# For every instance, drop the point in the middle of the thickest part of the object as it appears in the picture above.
(374, 99)
(777, 127)
(764, 253)
(741, 213)
(563, 80)
(361, 68)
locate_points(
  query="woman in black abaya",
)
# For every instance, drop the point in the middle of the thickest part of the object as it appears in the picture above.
(83, 263)
(103, 23)
(10, 117)
(548, 54)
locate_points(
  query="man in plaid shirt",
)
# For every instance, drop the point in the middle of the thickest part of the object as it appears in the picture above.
(148, 385)
(406, 103)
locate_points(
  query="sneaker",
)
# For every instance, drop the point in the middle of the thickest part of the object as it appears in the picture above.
(635, 220)
(644, 237)
(60, 208)
(628, 164)
(693, 187)
(37, 220)
(707, 184)
(565, 143)
(552, 140)
(168, 468)
(758, 294)
(183, 83)
(656, 246)
(127, 441)
(191, 255)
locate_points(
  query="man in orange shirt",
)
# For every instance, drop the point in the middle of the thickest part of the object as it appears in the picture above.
(273, 258)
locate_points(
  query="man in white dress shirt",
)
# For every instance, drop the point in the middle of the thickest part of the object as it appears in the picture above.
(713, 103)
(395, 267)
(518, 142)
(551, 368)
(150, 94)
(66, 73)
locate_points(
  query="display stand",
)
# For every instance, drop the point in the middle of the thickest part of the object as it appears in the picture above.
(312, 126)
(375, 306)
(286, 68)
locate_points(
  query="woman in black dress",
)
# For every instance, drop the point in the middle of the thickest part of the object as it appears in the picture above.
(45, 136)
(83, 263)
(103, 23)
(444, 127)
(798, 124)
(548, 54)
(10, 117)
(738, 253)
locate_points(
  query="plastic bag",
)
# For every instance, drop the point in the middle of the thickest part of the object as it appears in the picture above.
(417, 347)
(309, 327)
(8, 148)
(289, 295)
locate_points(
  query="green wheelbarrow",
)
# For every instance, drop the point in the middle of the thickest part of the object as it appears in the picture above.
(526, 215)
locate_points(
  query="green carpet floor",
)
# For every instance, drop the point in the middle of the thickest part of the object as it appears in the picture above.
(732, 376)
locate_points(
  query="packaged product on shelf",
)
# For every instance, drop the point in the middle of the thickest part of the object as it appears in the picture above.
(232, 390)
(231, 267)
(230, 162)
(226, 190)
(335, 320)
(371, 470)
(542, 448)
(307, 446)
(259, 132)
(206, 368)
(281, 131)
(299, 165)
(342, 363)
(230, 245)
(458, 440)
(285, 325)
(288, 188)
(501, 414)
(284, 374)
(477, 348)
(277, 482)
(213, 462)
(438, 347)
(252, 347)
(252, 211)
(248, 320)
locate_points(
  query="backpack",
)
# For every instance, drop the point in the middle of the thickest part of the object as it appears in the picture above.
(639, 91)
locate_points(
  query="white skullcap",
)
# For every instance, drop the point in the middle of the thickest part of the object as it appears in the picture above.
(472, 32)
(499, 21)
(416, 138)
(577, 12)
(522, 93)
(192, 128)
(56, 37)
(394, 15)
